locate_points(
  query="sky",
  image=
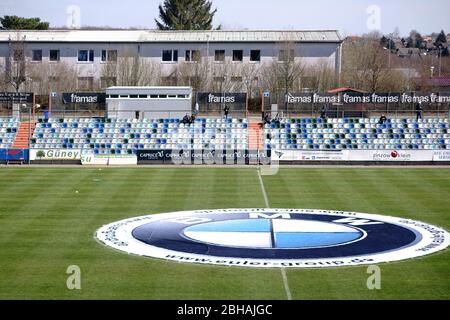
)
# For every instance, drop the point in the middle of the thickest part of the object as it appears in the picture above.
(349, 17)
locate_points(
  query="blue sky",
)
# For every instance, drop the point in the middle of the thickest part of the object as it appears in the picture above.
(347, 16)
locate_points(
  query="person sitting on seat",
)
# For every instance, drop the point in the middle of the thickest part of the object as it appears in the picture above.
(267, 117)
(382, 119)
(277, 118)
(192, 119)
(186, 119)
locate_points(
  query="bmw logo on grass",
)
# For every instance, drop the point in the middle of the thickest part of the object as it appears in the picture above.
(274, 237)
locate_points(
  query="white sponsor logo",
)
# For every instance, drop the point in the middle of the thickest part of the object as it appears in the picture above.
(74, 98)
(207, 227)
(220, 99)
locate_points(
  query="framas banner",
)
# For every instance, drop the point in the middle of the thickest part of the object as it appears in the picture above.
(83, 97)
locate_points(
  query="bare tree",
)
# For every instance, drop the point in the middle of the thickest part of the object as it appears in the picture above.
(151, 73)
(54, 76)
(250, 78)
(320, 76)
(223, 74)
(284, 73)
(365, 63)
(108, 74)
(131, 70)
(15, 64)
(194, 75)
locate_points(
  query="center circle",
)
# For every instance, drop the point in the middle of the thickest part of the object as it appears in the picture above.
(273, 233)
(278, 237)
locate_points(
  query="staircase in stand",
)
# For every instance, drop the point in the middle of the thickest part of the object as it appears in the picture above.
(23, 135)
(255, 139)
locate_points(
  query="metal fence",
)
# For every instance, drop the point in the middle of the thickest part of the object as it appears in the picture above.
(289, 111)
(358, 111)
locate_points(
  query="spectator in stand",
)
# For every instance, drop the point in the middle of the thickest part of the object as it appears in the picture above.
(186, 119)
(277, 118)
(192, 119)
(382, 119)
(225, 111)
(419, 111)
(267, 117)
(323, 112)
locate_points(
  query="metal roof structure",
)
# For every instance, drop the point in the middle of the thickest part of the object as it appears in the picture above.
(140, 36)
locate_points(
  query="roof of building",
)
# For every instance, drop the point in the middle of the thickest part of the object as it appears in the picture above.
(437, 81)
(345, 89)
(407, 51)
(171, 36)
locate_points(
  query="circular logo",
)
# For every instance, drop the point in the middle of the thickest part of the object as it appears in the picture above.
(394, 154)
(274, 237)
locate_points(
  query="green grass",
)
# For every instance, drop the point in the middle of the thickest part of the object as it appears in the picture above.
(45, 226)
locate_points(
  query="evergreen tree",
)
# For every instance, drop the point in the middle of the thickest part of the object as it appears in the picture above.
(441, 38)
(19, 23)
(185, 15)
(415, 40)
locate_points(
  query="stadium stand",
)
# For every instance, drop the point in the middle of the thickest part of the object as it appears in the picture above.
(126, 136)
(361, 133)
(8, 131)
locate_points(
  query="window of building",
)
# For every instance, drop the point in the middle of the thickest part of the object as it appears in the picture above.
(286, 55)
(54, 55)
(106, 82)
(219, 56)
(153, 96)
(36, 55)
(255, 55)
(86, 56)
(142, 96)
(114, 96)
(85, 83)
(170, 55)
(192, 55)
(238, 55)
(109, 55)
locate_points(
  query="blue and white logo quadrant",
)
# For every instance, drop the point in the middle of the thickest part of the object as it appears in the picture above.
(312, 234)
(253, 233)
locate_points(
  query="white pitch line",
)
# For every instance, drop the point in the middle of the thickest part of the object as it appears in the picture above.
(266, 200)
(283, 271)
(286, 284)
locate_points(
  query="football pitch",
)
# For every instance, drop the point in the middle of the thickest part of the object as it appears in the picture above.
(48, 217)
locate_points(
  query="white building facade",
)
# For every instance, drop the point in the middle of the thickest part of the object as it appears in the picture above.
(164, 54)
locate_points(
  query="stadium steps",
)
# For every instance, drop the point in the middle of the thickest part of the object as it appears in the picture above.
(22, 138)
(255, 131)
